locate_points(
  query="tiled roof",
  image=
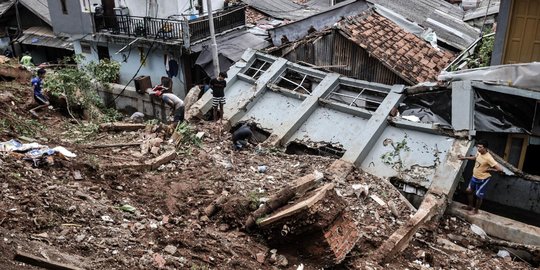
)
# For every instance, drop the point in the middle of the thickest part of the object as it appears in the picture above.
(407, 55)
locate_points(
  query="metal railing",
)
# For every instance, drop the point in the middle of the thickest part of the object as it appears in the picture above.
(140, 26)
(223, 21)
(169, 29)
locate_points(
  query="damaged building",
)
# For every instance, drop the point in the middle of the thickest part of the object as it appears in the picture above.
(380, 129)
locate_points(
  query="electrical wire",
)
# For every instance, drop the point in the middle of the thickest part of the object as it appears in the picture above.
(139, 69)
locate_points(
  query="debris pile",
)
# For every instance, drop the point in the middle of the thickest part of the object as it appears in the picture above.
(186, 205)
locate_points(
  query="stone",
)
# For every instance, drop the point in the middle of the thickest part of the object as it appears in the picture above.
(170, 249)
(261, 256)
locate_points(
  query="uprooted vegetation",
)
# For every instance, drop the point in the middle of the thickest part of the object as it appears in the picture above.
(135, 199)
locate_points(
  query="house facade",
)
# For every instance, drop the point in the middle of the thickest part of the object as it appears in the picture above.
(149, 38)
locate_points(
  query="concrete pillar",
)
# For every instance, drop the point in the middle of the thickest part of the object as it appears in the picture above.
(373, 129)
(303, 112)
(463, 106)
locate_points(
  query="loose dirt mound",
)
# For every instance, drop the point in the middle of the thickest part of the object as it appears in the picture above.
(149, 219)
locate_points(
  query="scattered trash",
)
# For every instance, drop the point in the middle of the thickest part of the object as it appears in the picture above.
(300, 267)
(158, 259)
(262, 169)
(137, 117)
(503, 253)
(378, 200)
(479, 231)
(107, 219)
(127, 208)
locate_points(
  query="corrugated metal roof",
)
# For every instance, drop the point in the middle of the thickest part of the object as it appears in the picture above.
(444, 18)
(38, 7)
(43, 36)
(287, 9)
(5, 5)
(482, 11)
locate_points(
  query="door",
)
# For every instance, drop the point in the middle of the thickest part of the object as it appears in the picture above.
(108, 12)
(523, 38)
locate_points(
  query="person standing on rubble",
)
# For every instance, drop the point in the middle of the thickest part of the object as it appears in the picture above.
(242, 136)
(37, 84)
(176, 104)
(484, 164)
(218, 91)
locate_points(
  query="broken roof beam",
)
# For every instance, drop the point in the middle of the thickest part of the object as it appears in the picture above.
(374, 127)
(506, 90)
(304, 111)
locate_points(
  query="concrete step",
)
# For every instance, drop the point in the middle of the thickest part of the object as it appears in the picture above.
(500, 227)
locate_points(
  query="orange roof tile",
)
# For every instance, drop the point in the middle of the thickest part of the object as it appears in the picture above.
(409, 56)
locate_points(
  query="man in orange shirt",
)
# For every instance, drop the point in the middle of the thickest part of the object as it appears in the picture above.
(485, 163)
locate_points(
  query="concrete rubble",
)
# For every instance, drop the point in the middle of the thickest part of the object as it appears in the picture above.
(153, 196)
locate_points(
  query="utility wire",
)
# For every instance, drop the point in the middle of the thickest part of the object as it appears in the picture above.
(139, 69)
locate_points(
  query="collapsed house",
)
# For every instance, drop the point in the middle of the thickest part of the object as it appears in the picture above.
(369, 47)
(357, 122)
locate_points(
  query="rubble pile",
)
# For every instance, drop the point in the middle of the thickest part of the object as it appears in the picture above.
(137, 199)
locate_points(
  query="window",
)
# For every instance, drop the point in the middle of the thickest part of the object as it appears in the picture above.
(85, 48)
(516, 147)
(64, 6)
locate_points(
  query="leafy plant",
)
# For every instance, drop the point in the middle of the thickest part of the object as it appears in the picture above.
(389, 158)
(104, 71)
(188, 134)
(74, 84)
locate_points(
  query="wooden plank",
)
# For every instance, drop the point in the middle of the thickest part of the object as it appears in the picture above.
(319, 194)
(41, 262)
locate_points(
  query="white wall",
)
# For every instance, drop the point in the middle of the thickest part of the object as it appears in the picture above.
(155, 67)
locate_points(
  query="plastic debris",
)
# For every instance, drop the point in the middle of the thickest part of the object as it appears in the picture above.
(128, 208)
(479, 231)
(503, 253)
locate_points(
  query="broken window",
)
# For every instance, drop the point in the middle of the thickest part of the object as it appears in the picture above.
(355, 96)
(257, 68)
(297, 81)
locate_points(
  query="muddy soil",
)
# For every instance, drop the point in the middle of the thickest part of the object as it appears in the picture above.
(45, 211)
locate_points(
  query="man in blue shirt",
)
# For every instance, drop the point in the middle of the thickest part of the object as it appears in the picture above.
(37, 84)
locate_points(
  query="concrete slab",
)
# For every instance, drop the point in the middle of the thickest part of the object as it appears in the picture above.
(272, 110)
(330, 126)
(414, 162)
(500, 227)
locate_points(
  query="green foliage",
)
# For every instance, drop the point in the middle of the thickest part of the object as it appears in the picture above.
(389, 158)
(485, 50)
(105, 71)
(75, 85)
(188, 134)
(255, 199)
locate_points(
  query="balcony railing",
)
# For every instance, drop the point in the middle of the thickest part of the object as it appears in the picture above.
(223, 21)
(168, 29)
(140, 26)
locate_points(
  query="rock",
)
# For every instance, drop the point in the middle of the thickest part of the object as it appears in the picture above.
(393, 208)
(204, 219)
(224, 227)
(261, 256)
(80, 237)
(170, 249)
(282, 261)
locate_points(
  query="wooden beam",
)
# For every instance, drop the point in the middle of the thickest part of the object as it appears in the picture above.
(41, 262)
